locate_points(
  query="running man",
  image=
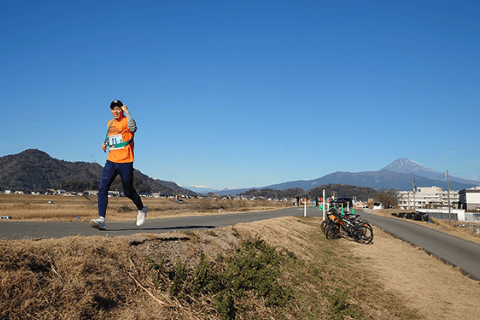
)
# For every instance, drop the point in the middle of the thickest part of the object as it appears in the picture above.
(120, 132)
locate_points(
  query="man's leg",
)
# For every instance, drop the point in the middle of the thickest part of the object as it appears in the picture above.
(126, 173)
(108, 176)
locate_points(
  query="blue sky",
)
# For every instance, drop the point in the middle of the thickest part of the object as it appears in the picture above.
(239, 94)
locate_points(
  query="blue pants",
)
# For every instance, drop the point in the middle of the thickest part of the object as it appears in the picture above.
(110, 172)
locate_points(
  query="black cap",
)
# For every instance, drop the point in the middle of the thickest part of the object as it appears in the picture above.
(116, 103)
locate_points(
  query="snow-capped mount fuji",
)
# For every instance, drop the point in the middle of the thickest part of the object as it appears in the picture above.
(405, 165)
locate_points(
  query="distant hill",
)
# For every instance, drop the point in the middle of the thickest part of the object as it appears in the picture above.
(405, 165)
(399, 176)
(35, 170)
(206, 190)
(274, 194)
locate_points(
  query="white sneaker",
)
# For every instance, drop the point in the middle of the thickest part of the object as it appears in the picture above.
(98, 223)
(141, 216)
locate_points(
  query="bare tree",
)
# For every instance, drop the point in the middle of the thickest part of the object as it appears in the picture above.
(389, 197)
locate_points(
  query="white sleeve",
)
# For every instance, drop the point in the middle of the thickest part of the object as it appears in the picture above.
(132, 125)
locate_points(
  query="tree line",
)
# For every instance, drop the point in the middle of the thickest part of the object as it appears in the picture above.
(80, 185)
(337, 190)
(386, 196)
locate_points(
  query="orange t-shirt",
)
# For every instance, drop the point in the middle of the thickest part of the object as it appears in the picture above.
(119, 133)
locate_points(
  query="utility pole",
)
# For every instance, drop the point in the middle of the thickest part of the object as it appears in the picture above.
(414, 193)
(408, 200)
(414, 208)
(448, 195)
(323, 204)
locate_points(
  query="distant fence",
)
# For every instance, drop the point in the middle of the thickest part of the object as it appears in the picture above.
(443, 216)
(456, 214)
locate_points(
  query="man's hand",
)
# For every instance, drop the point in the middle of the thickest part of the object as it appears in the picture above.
(125, 109)
(104, 147)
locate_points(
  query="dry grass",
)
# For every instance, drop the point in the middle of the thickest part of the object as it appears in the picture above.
(328, 280)
(109, 278)
(437, 290)
(69, 278)
(32, 207)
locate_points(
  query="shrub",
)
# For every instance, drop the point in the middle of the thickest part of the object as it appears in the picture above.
(255, 268)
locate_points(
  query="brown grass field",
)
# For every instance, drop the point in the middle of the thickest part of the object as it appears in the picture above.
(111, 278)
(65, 208)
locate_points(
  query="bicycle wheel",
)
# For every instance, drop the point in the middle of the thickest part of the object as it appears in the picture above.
(364, 234)
(323, 225)
(332, 231)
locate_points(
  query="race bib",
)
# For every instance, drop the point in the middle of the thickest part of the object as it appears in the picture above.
(115, 139)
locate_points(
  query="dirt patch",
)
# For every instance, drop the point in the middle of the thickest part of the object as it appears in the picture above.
(185, 246)
(435, 289)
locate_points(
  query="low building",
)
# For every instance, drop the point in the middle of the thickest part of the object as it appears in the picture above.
(469, 199)
(113, 193)
(428, 197)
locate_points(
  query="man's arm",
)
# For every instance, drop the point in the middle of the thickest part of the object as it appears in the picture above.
(132, 125)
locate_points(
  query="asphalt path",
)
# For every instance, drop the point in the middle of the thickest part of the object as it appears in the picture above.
(15, 230)
(458, 252)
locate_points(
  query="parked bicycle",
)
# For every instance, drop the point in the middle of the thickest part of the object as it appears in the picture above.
(337, 225)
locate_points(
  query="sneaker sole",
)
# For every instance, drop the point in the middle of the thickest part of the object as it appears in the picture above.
(95, 225)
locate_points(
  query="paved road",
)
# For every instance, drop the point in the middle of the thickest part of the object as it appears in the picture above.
(15, 230)
(461, 253)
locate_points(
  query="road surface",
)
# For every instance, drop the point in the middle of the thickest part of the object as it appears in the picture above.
(14, 230)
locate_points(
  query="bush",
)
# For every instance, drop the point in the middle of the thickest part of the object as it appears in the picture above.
(254, 269)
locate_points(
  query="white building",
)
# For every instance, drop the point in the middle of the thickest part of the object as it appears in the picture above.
(469, 199)
(90, 193)
(428, 197)
(113, 193)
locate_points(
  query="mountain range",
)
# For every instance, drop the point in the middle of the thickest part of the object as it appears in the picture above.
(398, 175)
(33, 169)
